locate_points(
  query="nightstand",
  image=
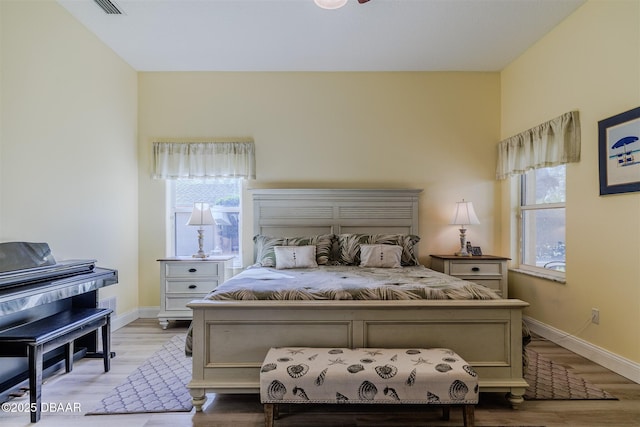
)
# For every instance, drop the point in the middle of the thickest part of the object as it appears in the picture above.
(486, 270)
(183, 279)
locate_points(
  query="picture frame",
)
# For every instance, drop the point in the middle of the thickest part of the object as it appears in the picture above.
(476, 251)
(619, 153)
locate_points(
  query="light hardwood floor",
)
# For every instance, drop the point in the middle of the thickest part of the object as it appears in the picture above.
(134, 343)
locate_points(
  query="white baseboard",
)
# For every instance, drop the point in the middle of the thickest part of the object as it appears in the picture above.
(148, 312)
(124, 319)
(120, 320)
(618, 364)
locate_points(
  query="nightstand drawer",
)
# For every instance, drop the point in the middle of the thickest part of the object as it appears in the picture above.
(191, 269)
(486, 270)
(184, 279)
(476, 269)
(190, 286)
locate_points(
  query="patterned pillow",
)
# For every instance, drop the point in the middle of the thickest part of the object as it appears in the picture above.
(349, 246)
(385, 256)
(295, 257)
(266, 257)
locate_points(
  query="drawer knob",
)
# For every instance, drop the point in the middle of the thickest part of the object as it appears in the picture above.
(193, 286)
(193, 270)
(475, 268)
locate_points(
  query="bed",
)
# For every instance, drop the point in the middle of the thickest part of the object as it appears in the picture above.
(230, 337)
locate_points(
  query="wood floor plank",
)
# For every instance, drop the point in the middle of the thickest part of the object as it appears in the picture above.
(136, 342)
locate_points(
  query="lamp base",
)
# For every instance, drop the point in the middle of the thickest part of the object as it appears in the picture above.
(200, 253)
(461, 253)
(463, 243)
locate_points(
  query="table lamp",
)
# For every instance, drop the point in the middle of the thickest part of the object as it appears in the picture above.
(464, 214)
(200, 216)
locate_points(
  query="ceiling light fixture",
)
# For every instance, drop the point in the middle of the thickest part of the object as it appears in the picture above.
(330, 4)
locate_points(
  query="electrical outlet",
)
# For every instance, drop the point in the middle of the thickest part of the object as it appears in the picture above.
(595, 316)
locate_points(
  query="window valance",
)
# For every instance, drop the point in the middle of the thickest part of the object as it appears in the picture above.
(549, 144)
(175, 160)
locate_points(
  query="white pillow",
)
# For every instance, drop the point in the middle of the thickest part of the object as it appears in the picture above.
(388, 256)
(295, 256)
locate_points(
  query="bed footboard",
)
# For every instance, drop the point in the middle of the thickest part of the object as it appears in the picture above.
(231, 338)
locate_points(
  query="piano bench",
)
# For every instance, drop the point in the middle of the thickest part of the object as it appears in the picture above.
(35, 338)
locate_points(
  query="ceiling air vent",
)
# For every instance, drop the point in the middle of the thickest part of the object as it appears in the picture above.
(109, 7)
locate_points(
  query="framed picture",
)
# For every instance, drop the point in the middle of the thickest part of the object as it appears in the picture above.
(476, 251)
(619, 150)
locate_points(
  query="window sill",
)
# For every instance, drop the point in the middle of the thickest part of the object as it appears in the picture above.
(540, 275)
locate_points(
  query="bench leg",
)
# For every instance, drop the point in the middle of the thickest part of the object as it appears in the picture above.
(35, 353)
(269, 409)
(68, 357)
(446, 412)
(468, 415)
(106, 344)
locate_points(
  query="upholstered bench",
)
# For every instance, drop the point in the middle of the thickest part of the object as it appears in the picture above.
(435, 376)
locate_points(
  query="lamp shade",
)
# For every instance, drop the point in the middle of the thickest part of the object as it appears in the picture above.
(330, 4)
(201, 215)
(464, 214)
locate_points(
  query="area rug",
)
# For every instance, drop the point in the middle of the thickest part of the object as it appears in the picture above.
(551, 381)
(158, 385)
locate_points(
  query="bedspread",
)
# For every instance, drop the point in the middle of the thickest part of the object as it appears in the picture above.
(347, 283)
(344, 283)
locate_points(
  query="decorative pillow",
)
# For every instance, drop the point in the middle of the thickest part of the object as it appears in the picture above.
(387, 256)
(349, 246)
(266, 257)
(295, 257)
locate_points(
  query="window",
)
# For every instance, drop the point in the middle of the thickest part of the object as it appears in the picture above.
(223, 195)
(542, 216)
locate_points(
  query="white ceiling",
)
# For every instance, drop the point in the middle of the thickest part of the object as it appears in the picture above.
(296, 35)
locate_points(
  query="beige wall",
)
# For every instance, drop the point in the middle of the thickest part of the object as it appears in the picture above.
(433, 131)
(70, 173)
(591, 62)
(68, 142)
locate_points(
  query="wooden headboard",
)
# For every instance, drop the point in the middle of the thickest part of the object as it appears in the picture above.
(305, 212)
